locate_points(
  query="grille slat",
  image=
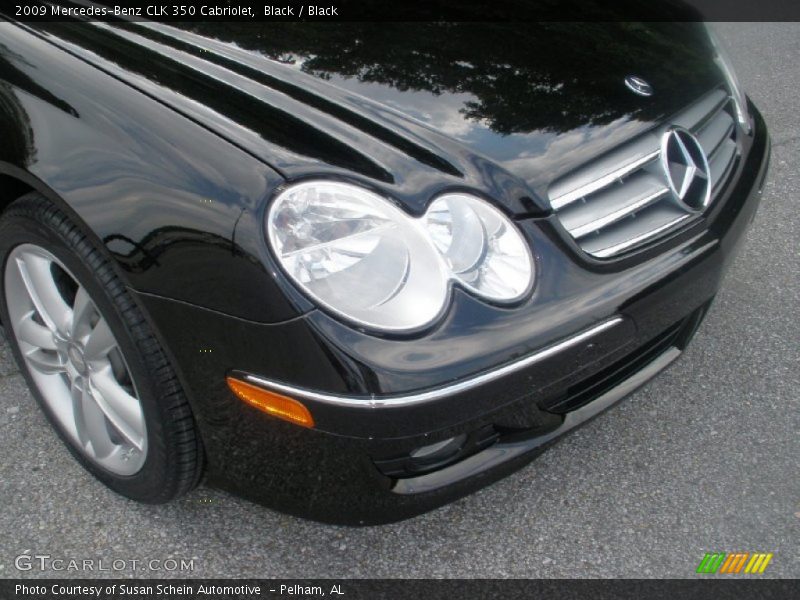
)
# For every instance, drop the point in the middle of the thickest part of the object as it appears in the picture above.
(622, 200)
(696, 115)
(613, 204)
(604, 172)
(632, 231)
(715, 132)
(721, 162)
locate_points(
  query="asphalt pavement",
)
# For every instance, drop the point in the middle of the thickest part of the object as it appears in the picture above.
(703, 458)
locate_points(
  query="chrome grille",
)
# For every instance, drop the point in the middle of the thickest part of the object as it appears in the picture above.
(622, 199)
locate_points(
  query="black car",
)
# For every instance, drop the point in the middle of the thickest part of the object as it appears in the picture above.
(355, 271)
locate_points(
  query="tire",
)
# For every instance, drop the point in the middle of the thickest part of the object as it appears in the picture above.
(103, 353)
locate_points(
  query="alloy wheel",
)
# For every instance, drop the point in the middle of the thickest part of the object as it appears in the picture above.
(75, 360)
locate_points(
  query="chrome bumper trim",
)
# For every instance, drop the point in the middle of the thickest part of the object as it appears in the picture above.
(371, 402)
(502, 452)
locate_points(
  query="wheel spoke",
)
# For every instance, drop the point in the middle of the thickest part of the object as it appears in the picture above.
(81, 314)
(76, 394)
(94, 421)
(41, 287)
(121, 409)
(101, 341)
(31, 332)
(46, 363)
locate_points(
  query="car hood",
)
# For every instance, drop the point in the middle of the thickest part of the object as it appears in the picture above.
(411, 109)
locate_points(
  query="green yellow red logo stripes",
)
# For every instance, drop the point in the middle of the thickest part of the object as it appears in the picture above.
(734, 563)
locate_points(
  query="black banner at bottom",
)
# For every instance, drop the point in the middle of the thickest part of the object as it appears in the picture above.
(416, 589)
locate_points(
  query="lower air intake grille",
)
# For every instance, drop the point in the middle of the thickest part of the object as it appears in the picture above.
(587, 390)
(623, 199)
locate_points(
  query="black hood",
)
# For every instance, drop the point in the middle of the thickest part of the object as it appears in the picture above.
(412, 108)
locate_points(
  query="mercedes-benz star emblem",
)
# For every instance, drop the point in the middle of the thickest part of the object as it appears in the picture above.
(638, 85)
(686, 167)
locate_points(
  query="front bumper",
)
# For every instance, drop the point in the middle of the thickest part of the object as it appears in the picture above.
(375, 400)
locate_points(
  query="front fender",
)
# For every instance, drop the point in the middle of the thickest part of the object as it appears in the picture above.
(175, 205)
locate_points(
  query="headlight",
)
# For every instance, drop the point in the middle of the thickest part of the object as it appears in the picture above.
(358, 255)
(481, 247)
(724, 61)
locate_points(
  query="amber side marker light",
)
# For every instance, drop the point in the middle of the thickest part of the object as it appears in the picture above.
(271, 403)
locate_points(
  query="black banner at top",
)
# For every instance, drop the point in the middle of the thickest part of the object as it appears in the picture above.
(404, 10)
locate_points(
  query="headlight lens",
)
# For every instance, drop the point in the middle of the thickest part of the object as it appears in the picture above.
(360, 256)
(724, 61)
(481, 247)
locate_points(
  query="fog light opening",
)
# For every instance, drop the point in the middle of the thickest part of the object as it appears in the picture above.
(440, 450)
(271, 403)
(431, 457)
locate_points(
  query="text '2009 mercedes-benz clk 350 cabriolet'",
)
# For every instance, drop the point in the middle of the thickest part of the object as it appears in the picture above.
(355, 271)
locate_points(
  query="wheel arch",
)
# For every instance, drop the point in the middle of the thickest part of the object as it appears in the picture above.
(16, 182)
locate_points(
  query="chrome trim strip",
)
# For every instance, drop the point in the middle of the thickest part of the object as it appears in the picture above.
(725, 174)
(602, 182)
(695, 115)
(617, 248)
(706, 118)
(502, 452)
(707, 130)
(728, 133)
(371, 402)
(617, 215)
